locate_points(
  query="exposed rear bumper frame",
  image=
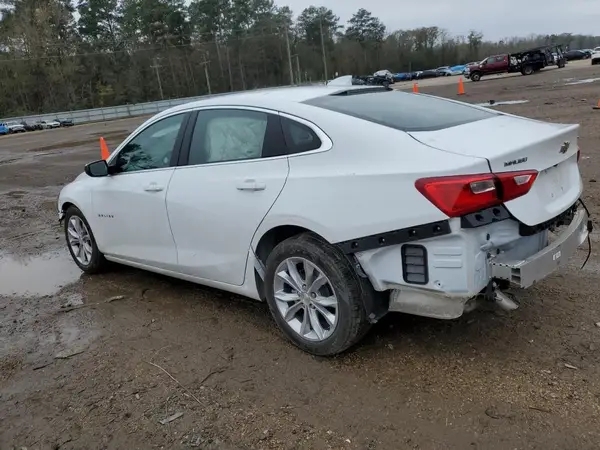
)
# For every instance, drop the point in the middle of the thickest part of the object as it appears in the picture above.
(524, 273)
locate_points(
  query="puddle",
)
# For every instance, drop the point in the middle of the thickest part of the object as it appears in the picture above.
(35, 276)
(586, 81)
(500, 103)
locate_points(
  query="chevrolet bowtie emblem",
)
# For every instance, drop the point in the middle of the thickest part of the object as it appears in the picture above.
(564, 147)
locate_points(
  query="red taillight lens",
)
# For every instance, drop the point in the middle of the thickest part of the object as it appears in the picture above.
(458, 195)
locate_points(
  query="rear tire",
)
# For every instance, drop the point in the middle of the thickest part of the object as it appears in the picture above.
(527, 70)
(82, 244)
(315, 295)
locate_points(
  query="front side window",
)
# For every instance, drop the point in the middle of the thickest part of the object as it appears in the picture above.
(491, 60)
(152, 148)
(222, 135)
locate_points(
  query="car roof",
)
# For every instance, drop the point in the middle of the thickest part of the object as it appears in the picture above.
(271, 98)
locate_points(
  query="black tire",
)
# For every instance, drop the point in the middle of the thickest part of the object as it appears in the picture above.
(97, 262)
(349, 288)
(527, 70)
(475, 76)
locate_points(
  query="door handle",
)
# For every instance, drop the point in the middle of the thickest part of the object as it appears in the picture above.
(251, 185)
(153, 187)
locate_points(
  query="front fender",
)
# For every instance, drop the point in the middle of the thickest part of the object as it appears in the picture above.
(77, 194)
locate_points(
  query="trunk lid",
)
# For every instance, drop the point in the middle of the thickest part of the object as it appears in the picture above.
(512, 143)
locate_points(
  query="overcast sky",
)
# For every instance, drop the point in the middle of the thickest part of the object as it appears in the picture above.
(495, 18)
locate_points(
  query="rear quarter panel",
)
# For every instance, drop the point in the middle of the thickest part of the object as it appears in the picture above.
(364, 184)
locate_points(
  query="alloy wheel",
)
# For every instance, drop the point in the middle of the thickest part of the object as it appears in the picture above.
(80, 240)
(305, 298)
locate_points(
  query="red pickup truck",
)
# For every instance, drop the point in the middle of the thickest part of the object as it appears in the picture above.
(526, 62)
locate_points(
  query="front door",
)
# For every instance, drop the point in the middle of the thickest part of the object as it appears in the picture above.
(129, 206)
(234, 173)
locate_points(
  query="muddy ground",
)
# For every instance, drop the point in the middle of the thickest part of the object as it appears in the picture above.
(102, 376)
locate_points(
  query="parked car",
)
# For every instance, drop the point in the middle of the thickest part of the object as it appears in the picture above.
(385, 75)
(3, 128)
(575, 55)
(29, 126)
(65, 122)
(403, 76)
(596, 56)
(458, 69)
(47, 124)
(381, 78)
(422, 74)
(444, 71)
(425, 226)
(15, 127)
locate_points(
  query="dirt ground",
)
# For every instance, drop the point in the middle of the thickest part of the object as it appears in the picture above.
(102, 376)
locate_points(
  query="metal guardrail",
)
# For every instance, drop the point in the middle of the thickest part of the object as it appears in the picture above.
(108, 113)
(114, 112)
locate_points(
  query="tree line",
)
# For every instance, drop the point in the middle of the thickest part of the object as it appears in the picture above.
(58, 56)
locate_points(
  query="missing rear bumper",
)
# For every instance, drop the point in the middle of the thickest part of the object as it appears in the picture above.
(524, 273)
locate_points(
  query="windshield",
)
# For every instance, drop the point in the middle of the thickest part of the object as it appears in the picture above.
(403, 111)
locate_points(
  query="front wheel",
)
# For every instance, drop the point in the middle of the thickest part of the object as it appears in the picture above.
(316, 296)
(475, 76)
(81, 242)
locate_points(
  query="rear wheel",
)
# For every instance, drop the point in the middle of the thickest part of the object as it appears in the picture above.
(315, 295)
(81, 242)
(527, 70)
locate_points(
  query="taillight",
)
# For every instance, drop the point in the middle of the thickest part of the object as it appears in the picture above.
(458, 195)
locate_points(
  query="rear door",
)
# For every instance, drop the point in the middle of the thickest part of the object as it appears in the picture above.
(233, 170)
(496, 64)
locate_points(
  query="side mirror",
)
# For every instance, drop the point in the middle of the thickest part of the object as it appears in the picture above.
(97, 169)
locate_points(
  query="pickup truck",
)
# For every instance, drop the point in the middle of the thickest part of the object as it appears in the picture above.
(526, 62)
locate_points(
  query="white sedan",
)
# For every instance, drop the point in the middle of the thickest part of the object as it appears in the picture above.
(595, 56)
(48, 124)
(335, 204)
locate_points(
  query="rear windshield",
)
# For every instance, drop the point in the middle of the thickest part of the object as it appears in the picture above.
(402, 111)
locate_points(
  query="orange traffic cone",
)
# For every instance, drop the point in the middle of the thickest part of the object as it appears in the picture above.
(597, 106)
(104, 153)
(461, 87)
(415, 88)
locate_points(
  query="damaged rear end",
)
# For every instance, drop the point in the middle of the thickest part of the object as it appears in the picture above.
(528, 206)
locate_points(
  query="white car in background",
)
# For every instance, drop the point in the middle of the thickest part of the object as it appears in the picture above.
(47, 124)
(335, 205)
(595, 56)
(15, 127)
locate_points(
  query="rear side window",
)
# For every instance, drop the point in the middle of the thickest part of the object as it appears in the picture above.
(403, 111)
(222, 135)
(298, 137)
